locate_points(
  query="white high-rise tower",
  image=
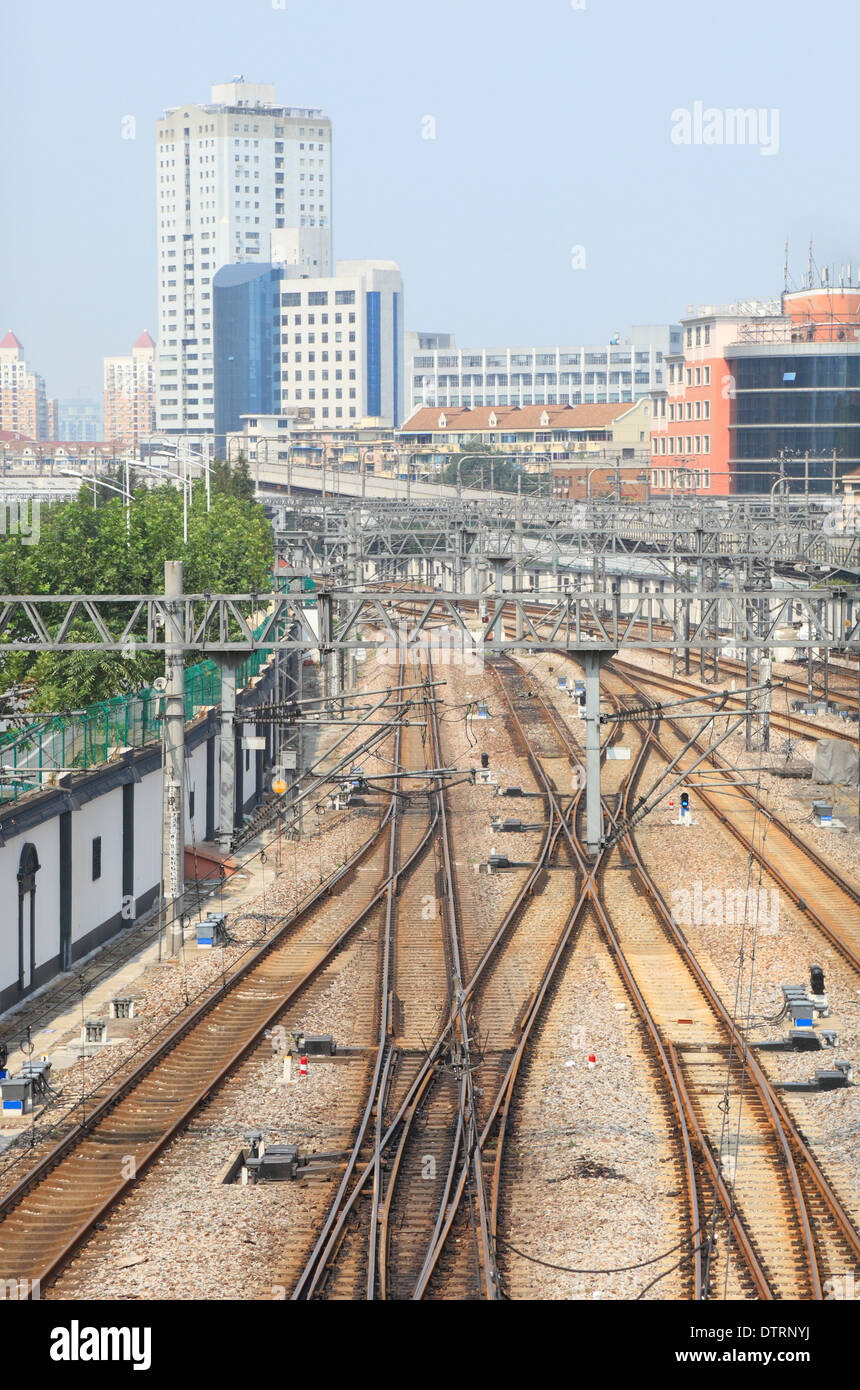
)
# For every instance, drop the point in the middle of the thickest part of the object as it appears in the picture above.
(229, 174)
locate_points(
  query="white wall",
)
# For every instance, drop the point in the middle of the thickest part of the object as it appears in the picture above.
(46, 838)
(94, 901)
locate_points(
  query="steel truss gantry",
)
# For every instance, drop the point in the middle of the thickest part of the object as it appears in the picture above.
(775, 533)
(586, 619)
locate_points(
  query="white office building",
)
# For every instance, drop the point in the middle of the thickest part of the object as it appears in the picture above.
(229, 173)
(326, 349)
(625, 369)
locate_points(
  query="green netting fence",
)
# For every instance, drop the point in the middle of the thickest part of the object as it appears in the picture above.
(85, 739)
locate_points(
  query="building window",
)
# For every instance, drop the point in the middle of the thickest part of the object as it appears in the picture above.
(97, 857)
(707, 376)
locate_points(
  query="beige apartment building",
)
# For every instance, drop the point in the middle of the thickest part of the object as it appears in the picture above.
(24, 406)
(130, 394)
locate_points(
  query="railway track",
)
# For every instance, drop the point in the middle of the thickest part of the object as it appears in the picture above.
(61, 1200)
(435, 1238)
(825, 896)
(785, 1217)
(795, 726)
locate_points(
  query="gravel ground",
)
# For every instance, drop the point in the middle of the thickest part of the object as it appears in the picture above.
(595, 1186)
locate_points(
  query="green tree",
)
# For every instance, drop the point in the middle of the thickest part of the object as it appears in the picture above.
(479, 466)
(233, 482)
(87, 550)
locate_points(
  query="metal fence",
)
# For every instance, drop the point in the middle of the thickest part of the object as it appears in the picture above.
(86, 738)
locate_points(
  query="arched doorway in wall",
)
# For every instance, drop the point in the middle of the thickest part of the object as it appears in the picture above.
(28, 867)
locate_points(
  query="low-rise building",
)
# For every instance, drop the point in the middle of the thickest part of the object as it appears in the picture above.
(624, 369)
(533, 435)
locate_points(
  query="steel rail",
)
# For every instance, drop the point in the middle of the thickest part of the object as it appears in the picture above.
(89, 1125)
(320, 1260)
(504, 1099)
(772, 1102)
(759, 807)
(762, 1085)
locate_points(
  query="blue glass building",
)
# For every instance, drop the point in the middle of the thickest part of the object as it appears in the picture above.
(246, 317)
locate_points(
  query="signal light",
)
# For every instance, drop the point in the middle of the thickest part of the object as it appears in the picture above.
(685, 802)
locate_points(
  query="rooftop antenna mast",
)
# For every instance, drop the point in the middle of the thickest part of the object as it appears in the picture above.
(785, 270)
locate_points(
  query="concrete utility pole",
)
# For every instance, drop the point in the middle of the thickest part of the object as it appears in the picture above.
(518, 541)
(173, 837)
(227, 784)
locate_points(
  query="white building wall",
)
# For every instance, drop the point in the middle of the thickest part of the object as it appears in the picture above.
(147, 832)
(96, 900)
(324, 324)
(195, 780)
(46, 838)
(96, 905)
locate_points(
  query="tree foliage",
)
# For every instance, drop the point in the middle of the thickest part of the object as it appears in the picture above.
(480, 466)
(86, 549)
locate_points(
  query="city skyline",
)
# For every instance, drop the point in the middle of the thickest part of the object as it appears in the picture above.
(537, 183)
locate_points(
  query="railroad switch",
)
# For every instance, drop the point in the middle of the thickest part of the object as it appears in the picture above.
(274, 1163)
(808, 1040)
(512, 826)
(833, 1078)
(282, 1162)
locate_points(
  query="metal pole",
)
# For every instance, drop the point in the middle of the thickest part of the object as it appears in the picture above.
(227, 784)
(300, 754)
(593, 811)
(518, 580)
(173, 844)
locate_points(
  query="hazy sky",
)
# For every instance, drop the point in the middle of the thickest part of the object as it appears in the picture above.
(553, 130)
